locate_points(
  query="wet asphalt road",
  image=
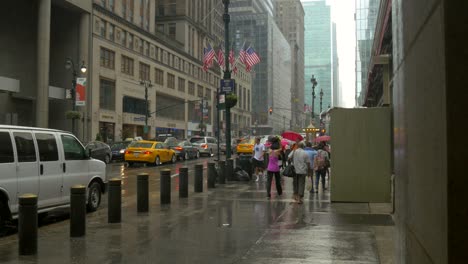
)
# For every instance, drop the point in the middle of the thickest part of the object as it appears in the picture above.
(233, 223)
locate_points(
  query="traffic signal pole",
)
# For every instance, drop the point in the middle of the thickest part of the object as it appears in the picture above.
(227, 76)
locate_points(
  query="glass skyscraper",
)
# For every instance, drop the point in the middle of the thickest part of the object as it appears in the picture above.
(366, 16)
(318, 53)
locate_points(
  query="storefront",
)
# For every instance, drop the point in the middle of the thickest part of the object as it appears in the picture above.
(106, 132)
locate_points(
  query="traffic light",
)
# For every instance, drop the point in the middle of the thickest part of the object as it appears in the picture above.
(270, 110)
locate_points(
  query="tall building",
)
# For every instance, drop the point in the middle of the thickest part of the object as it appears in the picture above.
(289, 17)
(365, 17)
(252, 23)
(36, 40)
(318, 53)
(336, 76)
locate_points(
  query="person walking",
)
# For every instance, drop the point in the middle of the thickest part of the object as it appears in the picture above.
(311, 152)
(320, 167)
(301, 162)
(257, 160)
(274, 170)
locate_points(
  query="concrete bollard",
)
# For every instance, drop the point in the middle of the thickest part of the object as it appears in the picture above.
(229, 169)
(222, 172)
(142, 193)
(183, 182)
(114, 212)
(211, 175)
(27, 224)
(165, 186)
(77, 211)
(198, 184)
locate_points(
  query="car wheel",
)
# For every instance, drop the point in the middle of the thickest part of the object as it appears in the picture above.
(198, 154)
(173, 159)
(186, 156)
(157, 161)
(107, 159)
(94, 197)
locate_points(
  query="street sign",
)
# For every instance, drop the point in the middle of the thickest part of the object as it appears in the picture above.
(222, 100)
(142, 118)
(227, 85)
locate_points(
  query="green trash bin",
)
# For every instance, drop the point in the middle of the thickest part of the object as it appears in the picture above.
(246, 164)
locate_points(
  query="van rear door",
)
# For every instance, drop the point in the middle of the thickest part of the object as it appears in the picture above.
(50, 169)
(8, 183)
(27, 166)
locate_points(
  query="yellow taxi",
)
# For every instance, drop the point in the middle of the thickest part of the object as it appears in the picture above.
(151, 152)
(245, 146)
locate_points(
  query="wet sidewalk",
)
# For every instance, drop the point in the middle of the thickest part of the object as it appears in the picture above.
(234, 223)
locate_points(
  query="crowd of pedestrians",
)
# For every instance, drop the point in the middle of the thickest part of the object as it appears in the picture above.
(309, 161)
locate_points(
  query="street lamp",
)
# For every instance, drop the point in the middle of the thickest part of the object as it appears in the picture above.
(227, 76)
(70, 65)
(147, 84)
(314, 83)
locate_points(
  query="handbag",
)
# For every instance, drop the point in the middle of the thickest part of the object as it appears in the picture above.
(290, 171)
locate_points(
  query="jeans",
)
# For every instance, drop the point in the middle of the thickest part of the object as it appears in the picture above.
(299, 184)
(279, 190)
(320, 174)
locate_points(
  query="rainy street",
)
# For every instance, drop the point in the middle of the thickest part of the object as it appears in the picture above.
(233, 223)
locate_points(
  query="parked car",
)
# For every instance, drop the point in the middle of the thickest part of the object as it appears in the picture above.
(171, 142)
(222, 146)
(246, 146)
(185, 150)
(100, 150)
(150, 152)
(118, 150)
(47, 163)
(205, 145)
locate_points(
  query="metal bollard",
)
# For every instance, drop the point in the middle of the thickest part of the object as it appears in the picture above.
(198, 184)
(222, 171)
(142, 193)
(27, 224)
(114, 212)
(165, 186)
(77, 211)
(229, 169)
(211, 175)
(183, 182)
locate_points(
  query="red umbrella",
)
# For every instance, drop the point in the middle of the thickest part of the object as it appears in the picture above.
(322, 138)
(291, 135)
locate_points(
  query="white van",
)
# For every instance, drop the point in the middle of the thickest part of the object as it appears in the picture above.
(47, 163)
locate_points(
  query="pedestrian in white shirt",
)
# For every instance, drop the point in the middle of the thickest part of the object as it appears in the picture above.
(257, 161)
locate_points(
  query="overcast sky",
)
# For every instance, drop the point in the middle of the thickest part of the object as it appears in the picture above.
(343, 16)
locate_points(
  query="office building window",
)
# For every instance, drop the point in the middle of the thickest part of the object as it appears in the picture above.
(107, 94)
(102, 29)
(160, 10)
(111, 31)
(130, 41)
(160, 27)
(124, 8)
(181, 84)
(127, 65)
(170, 81)
(131, 10)
(208, 94)
(200, 91)
(134, 105)
(144, 71)
(172, 30)
(111, 5)
(107, 58)
(172, 8)
(159, 76)
(248, 100)
(191, 88)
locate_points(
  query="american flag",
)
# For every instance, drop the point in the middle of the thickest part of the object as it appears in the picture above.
(251, 58)
(221, 58)
(232, 58)
(208, 56)
(243, 53)
(234, 70)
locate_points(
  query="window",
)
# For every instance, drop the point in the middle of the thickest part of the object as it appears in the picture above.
(130, 13)
(172, 30)
(144, 71)
(47, 147)
(200, 91)
(107, 94)
(124, 8)
(6, 151)
(107, 58)
(124, 38)
(25, 147)
(248, 100)
(160, 10)
(208, 94)
(130, 41)
(72, 148)
(102, 29)
(191, 88)
(127, 65)
(181, 84)
(160, 27)
(172, 8)
(134, 105)
(159, 76)
(111, 31)
(170, 81)
(111, 5)
(142, 13)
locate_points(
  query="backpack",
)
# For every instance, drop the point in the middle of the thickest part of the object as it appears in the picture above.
(319, 161)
